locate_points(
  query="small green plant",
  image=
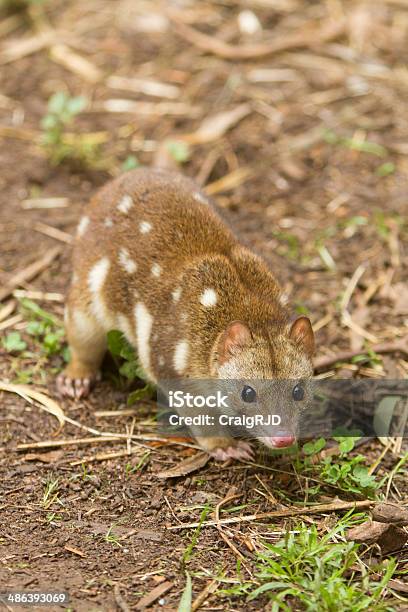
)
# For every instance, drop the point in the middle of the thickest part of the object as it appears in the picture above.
(46, 329)
(178, 150)
(355, 144)
(61, 145)
(130, 163)
(51, 492)
(131, 469)
(13, 343)
(111, 537)
(385, 169)
(347, 473)
(127, 363)
(194, 539)
(317, 572)
(15, 6)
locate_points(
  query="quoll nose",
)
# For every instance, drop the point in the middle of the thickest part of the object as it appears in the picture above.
(279, 441)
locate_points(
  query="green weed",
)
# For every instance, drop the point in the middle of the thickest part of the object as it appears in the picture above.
(128, 366)
(61, 145)
(46, 329)
(13, 343)
(51, 492)
(194, 539)
(321, 573)
(345, 472)
(111, 537)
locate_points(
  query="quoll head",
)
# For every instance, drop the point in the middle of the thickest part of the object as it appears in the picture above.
(269, 368)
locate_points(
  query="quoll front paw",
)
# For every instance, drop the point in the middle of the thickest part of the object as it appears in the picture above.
(76, 388)
(240, 450)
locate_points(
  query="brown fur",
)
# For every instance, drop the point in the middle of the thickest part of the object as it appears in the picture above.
(195, 251)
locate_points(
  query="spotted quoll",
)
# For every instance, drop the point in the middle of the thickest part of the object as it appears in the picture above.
(153, 259)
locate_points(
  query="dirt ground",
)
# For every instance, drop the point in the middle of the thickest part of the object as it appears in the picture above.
(308, 164)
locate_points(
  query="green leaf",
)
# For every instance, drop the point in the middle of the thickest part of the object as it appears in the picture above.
(178, 150)
(385, 169)
(57, 102)
(130, 163)
(115, 342)
(139, 394)
(347, 445)
(76, 105)
(187, 596)
(14, 343)
(311, 448)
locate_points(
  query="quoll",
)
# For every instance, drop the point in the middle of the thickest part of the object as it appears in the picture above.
(153, 259)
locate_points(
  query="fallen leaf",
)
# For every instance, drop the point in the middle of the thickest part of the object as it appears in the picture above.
(51, 457)
(42, 400)
(389, 537)
(387, 512)
(191, 464)
(215, 126)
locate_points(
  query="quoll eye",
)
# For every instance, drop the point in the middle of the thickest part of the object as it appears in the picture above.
(248, 394)
(298, 393)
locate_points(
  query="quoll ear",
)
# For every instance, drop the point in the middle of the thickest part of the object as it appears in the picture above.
(301, 332)
(235, 337)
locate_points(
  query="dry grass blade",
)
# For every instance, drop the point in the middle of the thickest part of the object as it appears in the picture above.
(53, 232)
(400, 346)
(7, 309)
(40, 399)
(215, 126)
(148, 87)
(31, 203)
(229, 181)
(30, 272)
(17, 49)
(327, 32)
(105, 456)
(76, 63)
(333, 507)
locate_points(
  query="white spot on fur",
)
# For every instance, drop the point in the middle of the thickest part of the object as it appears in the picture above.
(74, 279)
(161, 361)
(144, 322)
(200, 197)
(96, 279)
(126, 328)
(145, 227)
(127, 262)
(208, 298)
(176, 294)
(283, 299)
(180, 356)
(125, 204)
(82, 226)
(98, 274)
(108, 222)
(183, 317)
(66, 315)
(156, 270)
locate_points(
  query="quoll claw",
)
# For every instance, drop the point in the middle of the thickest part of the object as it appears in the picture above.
(76, 388)
(240, 451)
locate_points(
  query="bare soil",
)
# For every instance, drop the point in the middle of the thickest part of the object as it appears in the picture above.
(315, 203)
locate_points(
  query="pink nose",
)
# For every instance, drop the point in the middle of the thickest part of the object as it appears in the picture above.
(279, 441)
